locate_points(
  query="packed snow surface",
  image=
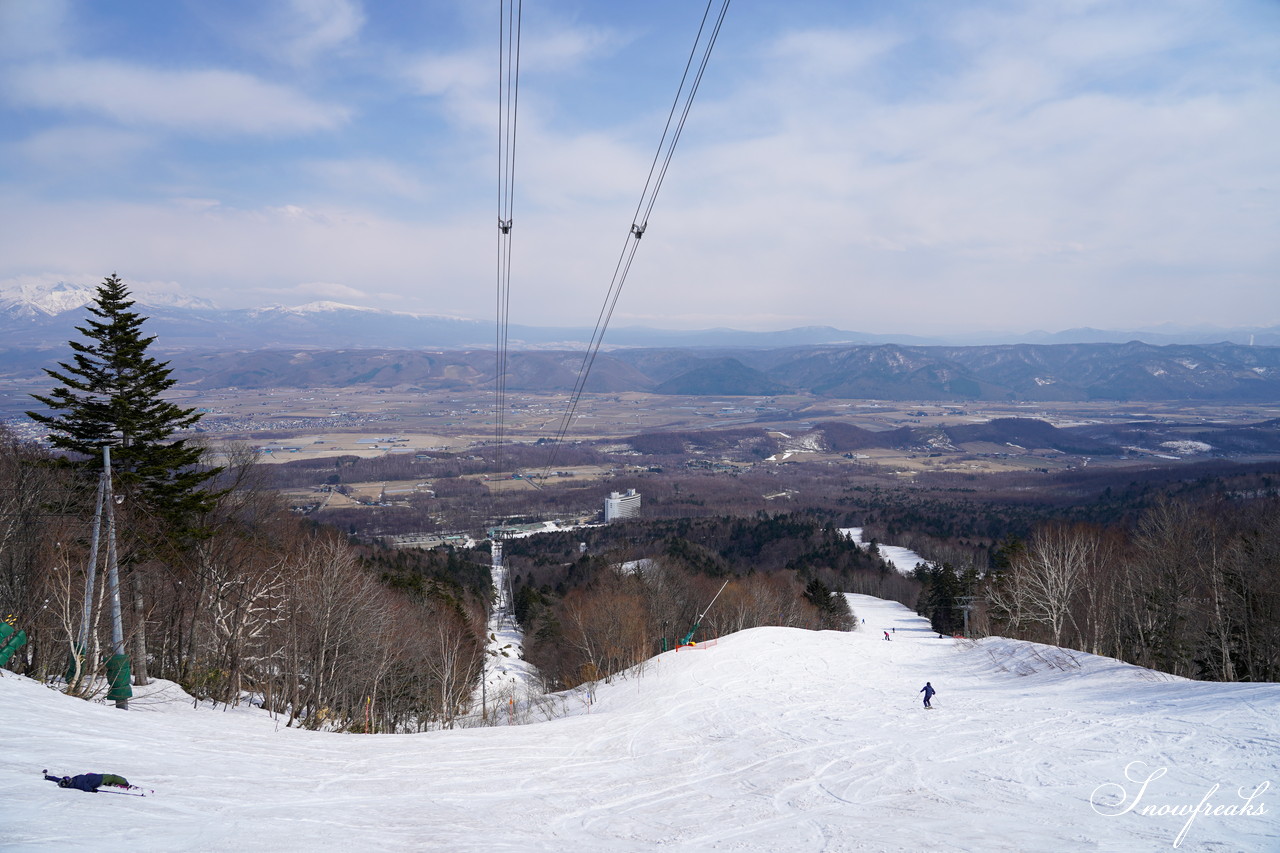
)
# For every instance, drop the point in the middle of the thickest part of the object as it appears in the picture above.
(772, 739)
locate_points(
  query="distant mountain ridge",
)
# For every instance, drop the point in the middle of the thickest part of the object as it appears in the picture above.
(332, 344)
(42, 315)
(1018, 373)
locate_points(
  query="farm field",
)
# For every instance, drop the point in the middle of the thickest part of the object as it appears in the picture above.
(330, 422)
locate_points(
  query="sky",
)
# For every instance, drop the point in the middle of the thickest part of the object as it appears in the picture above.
(916, 168)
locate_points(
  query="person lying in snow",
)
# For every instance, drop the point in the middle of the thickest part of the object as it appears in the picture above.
(89, 782)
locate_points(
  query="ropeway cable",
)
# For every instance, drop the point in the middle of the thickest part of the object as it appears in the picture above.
(640, 221)
(509, 19)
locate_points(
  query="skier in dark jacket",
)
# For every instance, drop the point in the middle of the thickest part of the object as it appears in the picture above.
(88, 782)
(928, 692)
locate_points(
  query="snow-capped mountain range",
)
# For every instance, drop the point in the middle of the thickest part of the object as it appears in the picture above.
(43, 314)
(32, 300)
(35, 299)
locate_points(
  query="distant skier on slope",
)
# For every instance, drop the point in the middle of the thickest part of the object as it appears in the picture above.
(88, 782)
(928, 692)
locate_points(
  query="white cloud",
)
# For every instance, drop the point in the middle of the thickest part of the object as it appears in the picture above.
(308, 29)
(446, 74)
(1015, 185)
(42, 280)
(565, 47)
(32, 28)
(831, 53)
(328, 290)
(991, 165)
(211, 101)
(363, 178)
(76, 149)
(242, 256)
(464, 82)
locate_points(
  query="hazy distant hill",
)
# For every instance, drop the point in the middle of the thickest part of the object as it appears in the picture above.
(1073, 372)
(1132, 371)
(527, 371)
(37, 315)
(721, 376)
(328, 344)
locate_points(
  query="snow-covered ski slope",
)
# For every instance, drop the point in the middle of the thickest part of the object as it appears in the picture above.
(903, 559)
(508, 678)
(772, 739)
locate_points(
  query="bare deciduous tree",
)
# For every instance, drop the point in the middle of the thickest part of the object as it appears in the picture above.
(1044, 583)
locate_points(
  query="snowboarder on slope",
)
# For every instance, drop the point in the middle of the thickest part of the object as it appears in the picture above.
(886, 635)
(88, 782)
(928, 692)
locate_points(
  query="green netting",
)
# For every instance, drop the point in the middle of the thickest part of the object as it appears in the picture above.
(118, 675)
(10, 641)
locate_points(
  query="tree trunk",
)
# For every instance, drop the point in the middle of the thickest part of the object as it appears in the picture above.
(140, 677)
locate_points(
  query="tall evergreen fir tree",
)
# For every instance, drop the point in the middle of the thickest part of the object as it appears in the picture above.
(111, 392)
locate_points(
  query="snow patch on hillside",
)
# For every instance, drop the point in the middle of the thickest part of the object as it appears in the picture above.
(1186, 448)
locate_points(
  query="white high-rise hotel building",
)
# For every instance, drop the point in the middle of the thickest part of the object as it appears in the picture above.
(619, 505)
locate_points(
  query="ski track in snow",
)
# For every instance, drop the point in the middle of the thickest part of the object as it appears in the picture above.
(772, 739)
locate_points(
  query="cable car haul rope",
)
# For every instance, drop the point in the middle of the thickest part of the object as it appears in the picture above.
(690, 80)
(510, 15)
(509, 19)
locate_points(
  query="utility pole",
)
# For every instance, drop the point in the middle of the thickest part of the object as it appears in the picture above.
(118, 675)
(75, 667)
(118, 670)
(966, 607)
